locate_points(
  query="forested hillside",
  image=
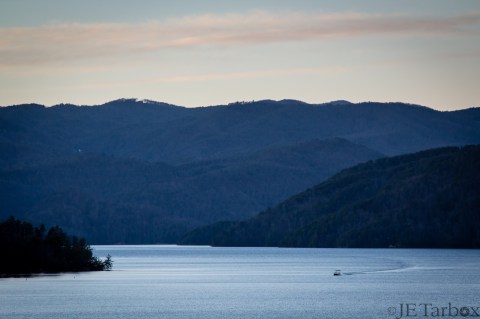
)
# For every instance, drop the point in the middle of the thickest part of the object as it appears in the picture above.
(116, 200)
(427, 199)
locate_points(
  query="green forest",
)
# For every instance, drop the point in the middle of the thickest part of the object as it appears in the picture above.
(27, 249)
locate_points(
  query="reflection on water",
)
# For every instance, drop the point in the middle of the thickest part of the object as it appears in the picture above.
(204, 282)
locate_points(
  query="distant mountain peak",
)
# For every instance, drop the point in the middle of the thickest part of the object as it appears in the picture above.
(293, 101)
(29, 106)
(137, 101)
(146, 101)
(339, 102)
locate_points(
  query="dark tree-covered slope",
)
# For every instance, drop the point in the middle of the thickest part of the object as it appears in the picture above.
(111, 200)
(426, 199)
(27, 249)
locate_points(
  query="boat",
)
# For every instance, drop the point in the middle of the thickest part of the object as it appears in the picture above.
(337, 272)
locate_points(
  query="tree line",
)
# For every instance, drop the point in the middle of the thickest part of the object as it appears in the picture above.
(27, 249)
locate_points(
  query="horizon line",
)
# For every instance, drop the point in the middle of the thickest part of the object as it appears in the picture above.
(151, 101)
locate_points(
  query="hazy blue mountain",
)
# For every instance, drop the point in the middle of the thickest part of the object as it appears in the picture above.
(144, 171)
(112, 200)
(426, 199)
(161, 132)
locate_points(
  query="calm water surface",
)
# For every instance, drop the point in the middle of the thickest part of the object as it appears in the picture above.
(204, 282)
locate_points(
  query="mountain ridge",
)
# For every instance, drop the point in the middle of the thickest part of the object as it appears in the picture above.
(286, 100)
(210, 163)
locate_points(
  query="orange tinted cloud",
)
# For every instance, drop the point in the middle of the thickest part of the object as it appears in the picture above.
(77, 42)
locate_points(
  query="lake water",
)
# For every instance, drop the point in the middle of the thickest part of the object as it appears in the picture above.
(205, 282)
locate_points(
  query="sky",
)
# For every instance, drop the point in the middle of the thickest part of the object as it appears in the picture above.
(198, 53)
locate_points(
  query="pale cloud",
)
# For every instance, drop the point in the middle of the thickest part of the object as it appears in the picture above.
(251, 74)
(205, 77)
(56, 44)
